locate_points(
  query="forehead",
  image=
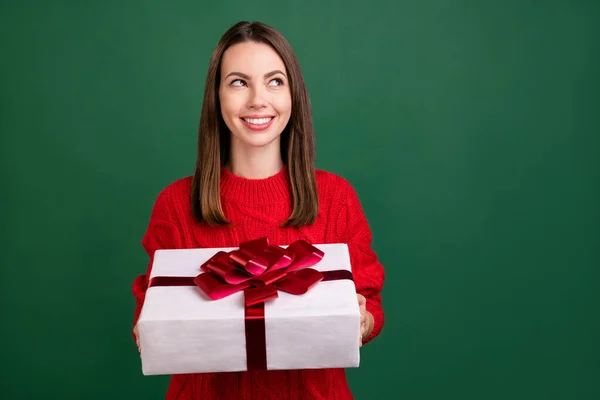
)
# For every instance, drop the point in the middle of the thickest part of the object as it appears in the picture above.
(251, 57)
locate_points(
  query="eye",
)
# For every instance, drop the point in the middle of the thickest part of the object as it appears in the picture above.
(276, 82)
(238, 83)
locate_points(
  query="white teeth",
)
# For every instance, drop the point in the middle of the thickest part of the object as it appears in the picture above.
(257, 121)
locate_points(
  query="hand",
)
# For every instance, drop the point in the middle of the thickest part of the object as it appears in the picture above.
(366, 318)
(137, 336)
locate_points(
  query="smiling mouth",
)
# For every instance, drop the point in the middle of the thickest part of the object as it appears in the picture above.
(258, 121)
(258, 124)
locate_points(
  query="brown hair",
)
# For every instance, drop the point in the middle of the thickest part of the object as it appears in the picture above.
(297, 139)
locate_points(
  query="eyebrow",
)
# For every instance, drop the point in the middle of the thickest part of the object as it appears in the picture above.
(267, 75)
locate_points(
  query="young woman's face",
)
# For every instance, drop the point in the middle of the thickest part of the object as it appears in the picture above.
(254, 93)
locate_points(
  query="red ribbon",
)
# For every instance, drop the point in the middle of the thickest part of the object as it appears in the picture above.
(260, 270)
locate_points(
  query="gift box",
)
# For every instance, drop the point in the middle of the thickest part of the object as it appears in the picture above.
(255, 307)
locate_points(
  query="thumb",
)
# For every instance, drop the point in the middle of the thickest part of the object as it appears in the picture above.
(361, 300)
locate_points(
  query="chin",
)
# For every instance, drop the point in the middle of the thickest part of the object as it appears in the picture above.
(251, 138)
(257, 140)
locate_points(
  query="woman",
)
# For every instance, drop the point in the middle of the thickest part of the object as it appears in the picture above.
(255, 176)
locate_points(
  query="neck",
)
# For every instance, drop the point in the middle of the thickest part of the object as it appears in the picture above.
(255, 162)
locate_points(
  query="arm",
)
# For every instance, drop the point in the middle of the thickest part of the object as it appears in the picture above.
(160, 234)
(368, 272)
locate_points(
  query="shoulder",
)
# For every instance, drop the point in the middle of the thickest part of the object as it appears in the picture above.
(176, 189)
(336, 189)
(174, 194)
(339, 201)
(330, 185)
(337, 196)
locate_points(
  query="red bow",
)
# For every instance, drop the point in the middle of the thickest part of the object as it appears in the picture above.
(261, 270)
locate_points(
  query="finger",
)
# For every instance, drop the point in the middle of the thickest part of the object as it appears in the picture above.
(361, 299)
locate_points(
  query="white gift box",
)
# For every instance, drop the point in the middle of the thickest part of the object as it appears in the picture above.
(181, 330)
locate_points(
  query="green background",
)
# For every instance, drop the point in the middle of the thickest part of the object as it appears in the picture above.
(470, 131)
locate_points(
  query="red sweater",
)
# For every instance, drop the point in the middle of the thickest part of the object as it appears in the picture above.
(256, 208)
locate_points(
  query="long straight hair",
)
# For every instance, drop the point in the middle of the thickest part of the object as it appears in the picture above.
(297, 139)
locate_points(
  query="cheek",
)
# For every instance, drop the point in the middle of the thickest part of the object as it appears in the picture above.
(230, 106)
(283, 105)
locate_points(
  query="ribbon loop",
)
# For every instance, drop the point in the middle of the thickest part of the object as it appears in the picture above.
(305, 255)
(300, 282)
(256, 264)
(222, 266)
(275, 256)
(250, 262)
(253, 296)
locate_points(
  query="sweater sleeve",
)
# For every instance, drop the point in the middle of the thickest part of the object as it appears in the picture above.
(161, 233)
(367, 271)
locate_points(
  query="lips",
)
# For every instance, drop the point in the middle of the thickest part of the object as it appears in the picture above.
(258, 122)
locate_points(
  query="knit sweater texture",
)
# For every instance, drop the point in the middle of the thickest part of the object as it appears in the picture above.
(257, 208)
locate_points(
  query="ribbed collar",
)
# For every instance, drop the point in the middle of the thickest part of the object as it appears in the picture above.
(275, 188)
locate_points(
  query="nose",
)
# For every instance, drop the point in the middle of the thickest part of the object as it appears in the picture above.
(257, 98)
